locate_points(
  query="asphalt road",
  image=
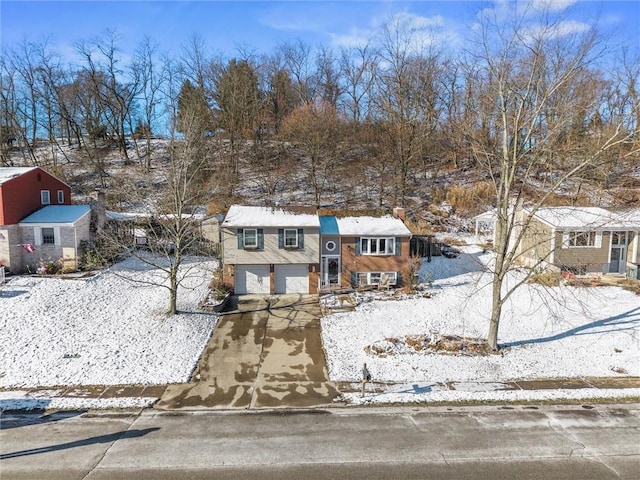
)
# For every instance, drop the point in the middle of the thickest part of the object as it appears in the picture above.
(571, 442)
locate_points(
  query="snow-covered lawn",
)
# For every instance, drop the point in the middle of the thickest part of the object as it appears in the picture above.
(102, 330)
(545, 332)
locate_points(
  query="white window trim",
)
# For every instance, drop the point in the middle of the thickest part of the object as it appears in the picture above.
(390, 246)
(45, 194)
(60, 196)
(37, 234)
(393, 277)
(295, 236)
(255, 236)
(570, 236)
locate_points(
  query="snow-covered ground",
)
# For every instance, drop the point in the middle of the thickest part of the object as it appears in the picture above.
(544, 333)
(102, 330)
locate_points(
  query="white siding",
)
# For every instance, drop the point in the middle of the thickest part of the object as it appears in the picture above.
(271, 254)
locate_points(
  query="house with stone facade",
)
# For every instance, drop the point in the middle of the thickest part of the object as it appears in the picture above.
(37, 220)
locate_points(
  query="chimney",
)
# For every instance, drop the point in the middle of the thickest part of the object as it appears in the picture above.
(399, 212)
(101, 211)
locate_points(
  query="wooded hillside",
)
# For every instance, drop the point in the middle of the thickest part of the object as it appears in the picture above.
(399, 121)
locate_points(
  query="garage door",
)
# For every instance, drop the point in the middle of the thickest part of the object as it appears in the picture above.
(252, 279)
(292, 278)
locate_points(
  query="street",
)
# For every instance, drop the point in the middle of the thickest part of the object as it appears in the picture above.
(490, 442)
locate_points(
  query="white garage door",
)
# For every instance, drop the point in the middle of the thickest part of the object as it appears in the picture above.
(252, 279)
(292, 278)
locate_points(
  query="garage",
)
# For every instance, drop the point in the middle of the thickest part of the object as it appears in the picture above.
(292, 278)
(252, 279)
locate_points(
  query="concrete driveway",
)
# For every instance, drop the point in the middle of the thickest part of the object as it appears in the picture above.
(265, 352)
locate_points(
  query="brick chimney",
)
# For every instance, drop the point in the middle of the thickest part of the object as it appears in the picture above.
(399, 212)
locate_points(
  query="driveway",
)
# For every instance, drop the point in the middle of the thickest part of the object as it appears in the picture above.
(265, 352)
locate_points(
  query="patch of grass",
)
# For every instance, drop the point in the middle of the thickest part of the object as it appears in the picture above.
(456, 242)
(631, 285)
(547, 279)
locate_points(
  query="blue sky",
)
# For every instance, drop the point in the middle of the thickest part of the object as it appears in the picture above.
(260, 25)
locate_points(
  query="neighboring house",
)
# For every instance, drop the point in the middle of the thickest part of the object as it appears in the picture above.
(55, 232)
(581, 240)
(24, 190)
(271, 249)
(362, 251)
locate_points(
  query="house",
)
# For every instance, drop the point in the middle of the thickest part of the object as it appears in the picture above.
(581, 240)
(275, 250)
(271, 249)
(23, 191)
(363, 251)
(55, 232)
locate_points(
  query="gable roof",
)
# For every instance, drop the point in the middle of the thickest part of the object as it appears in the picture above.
(374, 226)
(594, 218)
(58, 214)
(247, 216)
(9, 173)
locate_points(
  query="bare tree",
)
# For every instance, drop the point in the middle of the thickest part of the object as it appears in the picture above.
(359, 69)
(171, 221)
(318, 129)
(406, 97)
(529, 77)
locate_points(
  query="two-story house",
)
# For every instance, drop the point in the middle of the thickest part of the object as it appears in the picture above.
(37, 219)
(271, 249)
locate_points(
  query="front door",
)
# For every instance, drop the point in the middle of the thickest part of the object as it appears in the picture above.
(330, 271)
(618, 252)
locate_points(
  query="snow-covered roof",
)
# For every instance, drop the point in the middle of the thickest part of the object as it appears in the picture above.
(594, 218)
(9, 173)
(386, 225)
(247, 216)
(58, 214)
(488, 216)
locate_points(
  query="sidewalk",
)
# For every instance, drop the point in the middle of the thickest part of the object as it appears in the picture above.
(141, 396)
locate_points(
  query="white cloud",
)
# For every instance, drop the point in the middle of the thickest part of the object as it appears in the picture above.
(552, 5)
(559, 30)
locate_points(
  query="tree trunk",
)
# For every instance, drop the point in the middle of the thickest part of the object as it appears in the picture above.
(496, 309)
(173, 291)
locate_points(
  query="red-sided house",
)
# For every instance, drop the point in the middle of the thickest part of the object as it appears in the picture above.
(23, 191)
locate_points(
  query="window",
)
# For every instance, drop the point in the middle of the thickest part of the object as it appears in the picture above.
(60, 196)
(373, 278)
(378, 246)
(45, 197)
(330, 246)
(48, 237)
(250, 238)
(582, 239)
(618, 238)
(290, 238)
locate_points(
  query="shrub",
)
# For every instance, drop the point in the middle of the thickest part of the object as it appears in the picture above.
(49, 267)
(547, 279)
(218, 287)
(467, 199)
